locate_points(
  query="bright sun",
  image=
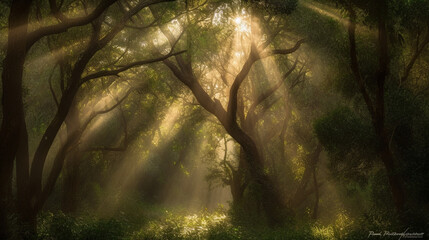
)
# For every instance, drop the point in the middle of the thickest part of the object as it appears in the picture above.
(241, 25)
(237, 20)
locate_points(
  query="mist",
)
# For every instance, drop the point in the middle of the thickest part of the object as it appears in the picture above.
(262, 119)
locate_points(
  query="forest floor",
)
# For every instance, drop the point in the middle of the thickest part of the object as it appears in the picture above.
(161, 223)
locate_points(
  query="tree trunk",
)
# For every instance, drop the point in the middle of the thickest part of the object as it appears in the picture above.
(71, 173)
(71, 182)
(237, 192)
(301, 193)
(386, 154)
(316, 201)
(13, 111)
(377, 111)
(271, 200)
(238, 181)
(392, 174)
(27, 221)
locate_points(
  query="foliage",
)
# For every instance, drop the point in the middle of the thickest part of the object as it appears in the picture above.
(349, 140)
(203, 225)
(173, 226)
(168, 225)
(169, 142)
(60, 226)
(276, 6)
(217, 226)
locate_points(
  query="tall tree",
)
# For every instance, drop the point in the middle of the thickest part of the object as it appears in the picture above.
(273, 205)
(13, 122)
(30, 194)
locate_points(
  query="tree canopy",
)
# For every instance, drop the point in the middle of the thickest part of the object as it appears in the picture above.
(276, 119)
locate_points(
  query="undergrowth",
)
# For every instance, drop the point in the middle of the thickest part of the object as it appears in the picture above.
(216, 225)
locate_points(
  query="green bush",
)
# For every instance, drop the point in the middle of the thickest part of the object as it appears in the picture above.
(53, 226)
(218, 226)
(211, 226)
(57, 226)
(177, 226)
(103, 230)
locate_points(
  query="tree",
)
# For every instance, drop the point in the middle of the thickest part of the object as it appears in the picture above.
(183, 70)
(376, 81)
(30, 194)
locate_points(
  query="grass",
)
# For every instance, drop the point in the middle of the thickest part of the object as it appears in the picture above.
(170, 225)
(156, 223)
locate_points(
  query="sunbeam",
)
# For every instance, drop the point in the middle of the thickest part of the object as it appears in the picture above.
(207, 119)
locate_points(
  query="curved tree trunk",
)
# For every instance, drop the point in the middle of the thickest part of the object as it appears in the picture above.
(272, 202)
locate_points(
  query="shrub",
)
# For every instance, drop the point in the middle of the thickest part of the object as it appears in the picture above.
(103, 230)
(53, 226)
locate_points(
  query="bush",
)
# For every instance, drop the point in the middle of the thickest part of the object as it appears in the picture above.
(57, 226)
(103, 230)
(53, 226)
(218, 226)
(195, 226)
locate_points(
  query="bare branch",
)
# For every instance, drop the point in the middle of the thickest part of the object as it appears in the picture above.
(51, 88)
(269, 39)
(297, 80)
(121, 56)
(171, 39)
(96, 113)
(283, 51)
(269, 92)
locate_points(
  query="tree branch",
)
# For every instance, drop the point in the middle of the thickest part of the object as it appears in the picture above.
(51, 87)
(283, 51)
(127, 16)
(128, 66)
(171, 39)
(354, 63)
(125, 129)
(233, 92)
(419, 49)
(66, 23)
(269, 92)
(62, 153)
(225, 162)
